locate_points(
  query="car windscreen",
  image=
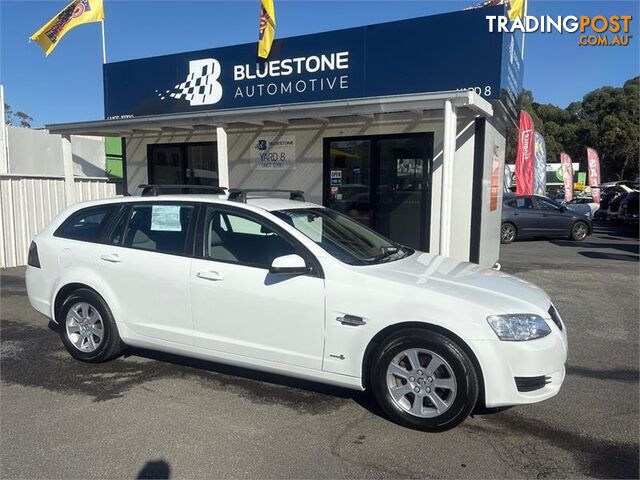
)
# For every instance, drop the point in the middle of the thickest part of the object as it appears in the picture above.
(342, 237)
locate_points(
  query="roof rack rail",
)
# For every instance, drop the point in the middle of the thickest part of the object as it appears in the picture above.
(172, 189)
(240, 194)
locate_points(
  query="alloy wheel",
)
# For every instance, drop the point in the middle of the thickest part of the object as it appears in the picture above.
(421, 382)
(579, 231)
(508, 233)
(84, 327)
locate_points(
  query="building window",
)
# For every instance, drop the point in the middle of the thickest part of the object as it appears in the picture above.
(183, 164)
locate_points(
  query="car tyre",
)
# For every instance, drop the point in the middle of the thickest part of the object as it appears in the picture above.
(87, 328)
(579, 231)
(508, 233)
(445, 379)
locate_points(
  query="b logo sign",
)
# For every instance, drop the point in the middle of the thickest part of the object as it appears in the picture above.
(201, 86)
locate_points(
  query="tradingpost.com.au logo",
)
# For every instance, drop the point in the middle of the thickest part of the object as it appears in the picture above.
(595, 30)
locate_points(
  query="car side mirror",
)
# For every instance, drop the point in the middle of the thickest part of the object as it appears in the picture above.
(289, 265)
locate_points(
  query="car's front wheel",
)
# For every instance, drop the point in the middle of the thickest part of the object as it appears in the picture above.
(579, 231)
(87, 327)
(424, 380)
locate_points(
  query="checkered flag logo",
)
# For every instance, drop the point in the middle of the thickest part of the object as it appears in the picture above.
(201, 86)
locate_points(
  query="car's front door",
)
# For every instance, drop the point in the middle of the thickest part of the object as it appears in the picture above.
(553, 220)
(239, 307)
(145, 263)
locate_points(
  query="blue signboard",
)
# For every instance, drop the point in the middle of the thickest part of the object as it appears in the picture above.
(427, 54)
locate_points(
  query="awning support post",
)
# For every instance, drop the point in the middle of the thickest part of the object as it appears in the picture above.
(67, 163)
(446, 191)
(223, 157)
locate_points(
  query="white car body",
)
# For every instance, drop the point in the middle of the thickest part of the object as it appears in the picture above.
(165, 302)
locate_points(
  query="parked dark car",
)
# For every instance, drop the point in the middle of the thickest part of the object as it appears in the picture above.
(527, 216)
(628, 211)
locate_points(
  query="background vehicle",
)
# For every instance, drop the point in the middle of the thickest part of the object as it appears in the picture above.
(611, 198)
(584, 205)
(293, 288)
(628, 212)
(529, 216)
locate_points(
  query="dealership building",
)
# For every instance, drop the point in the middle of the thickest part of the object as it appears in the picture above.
(399, 125)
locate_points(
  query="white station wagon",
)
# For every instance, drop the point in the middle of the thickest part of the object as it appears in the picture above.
(293, 288)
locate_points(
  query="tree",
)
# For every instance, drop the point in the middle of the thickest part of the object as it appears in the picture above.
(16, 119)
(607, 119)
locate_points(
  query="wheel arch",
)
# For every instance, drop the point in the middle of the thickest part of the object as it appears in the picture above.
(391, 329)
(67, 290)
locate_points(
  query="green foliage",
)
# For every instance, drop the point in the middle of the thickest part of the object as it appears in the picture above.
(16, 119)
(607, 119)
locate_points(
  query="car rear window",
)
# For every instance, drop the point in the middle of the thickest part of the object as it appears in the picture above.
(87, 224)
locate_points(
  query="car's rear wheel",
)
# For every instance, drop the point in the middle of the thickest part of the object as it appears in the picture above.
(508, 233)
(87, 327)
(424, 380)
(579, 231)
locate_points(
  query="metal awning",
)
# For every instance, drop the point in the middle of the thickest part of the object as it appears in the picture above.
(279, 114)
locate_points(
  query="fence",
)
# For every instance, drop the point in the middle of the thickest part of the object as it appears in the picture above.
(29, 202)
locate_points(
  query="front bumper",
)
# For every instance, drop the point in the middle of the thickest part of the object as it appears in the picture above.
(503, 362)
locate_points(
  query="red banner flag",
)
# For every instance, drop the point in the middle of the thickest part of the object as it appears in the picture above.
(593, 164)
(525, 156)
(567, 176)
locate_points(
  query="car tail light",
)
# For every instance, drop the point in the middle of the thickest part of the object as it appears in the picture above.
(33, 258)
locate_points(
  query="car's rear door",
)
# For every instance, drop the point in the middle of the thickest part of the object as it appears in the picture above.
(145, 262)
(523, 216)
(239, 307)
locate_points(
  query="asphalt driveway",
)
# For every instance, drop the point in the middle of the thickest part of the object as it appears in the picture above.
(151, 415)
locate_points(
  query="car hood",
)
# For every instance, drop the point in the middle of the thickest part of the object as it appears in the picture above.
(466, 282)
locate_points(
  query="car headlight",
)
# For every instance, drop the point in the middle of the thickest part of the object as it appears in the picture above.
(518, 327)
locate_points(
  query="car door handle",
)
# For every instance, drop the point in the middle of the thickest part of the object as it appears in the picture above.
(351, 320)
(211, 275)
(111, 257)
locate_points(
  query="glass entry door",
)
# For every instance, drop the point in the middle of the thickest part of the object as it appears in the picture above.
(183, 164)
(383, 182)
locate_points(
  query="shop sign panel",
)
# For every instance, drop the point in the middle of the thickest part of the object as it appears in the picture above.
(453, 51)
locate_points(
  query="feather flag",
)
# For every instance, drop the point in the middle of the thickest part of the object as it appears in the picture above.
(74, 14)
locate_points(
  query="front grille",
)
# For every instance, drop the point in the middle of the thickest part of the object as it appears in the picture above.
(529, 384)
(553, 313)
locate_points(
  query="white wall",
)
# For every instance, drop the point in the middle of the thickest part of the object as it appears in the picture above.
(307, 175)
(29, 203)
(37, 152)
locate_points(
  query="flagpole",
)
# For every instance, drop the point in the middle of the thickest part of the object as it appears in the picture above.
(104, 46)
(524, 19)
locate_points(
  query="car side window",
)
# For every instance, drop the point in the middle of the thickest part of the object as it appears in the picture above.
(87, 224)
(523, 203)
(236, 238)
(158, 227)
(542, 204)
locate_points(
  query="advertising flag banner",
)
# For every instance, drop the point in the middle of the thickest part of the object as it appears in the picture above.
(524, 157)
(517, 9)
(74, 14)
(540, 165)
(593, 165)
(267, 29)
(567, 176)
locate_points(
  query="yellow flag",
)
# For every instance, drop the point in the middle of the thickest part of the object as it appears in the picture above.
(76, 13)
(267, 27)
(516, 9)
